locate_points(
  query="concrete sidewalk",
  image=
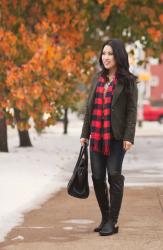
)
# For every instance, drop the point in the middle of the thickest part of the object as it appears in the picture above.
(66, 223)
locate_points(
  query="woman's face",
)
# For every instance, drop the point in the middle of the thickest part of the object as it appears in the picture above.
(108, 58)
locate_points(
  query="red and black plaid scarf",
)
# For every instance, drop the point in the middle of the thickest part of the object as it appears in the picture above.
(101, 118)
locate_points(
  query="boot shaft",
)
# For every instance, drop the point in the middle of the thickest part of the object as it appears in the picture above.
(116, 195)
(101, 192)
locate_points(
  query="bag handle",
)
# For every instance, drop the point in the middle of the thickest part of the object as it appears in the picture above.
(83, 151)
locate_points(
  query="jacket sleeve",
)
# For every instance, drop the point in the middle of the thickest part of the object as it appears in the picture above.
(131, 114)
(86, 124)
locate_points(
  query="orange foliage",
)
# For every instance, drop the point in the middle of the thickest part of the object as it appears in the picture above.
(155, 34)
(40, 61)
(108, 4)
(145, 15)
(36, 90)
(42, 52)
(161, 18)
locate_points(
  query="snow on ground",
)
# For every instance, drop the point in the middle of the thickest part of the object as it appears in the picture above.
(28, 176)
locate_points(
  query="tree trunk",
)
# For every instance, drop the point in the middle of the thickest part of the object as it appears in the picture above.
(65, 120)
(3, 136)
(24, 139)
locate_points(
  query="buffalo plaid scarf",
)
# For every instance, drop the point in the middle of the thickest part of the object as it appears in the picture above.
(101, 117)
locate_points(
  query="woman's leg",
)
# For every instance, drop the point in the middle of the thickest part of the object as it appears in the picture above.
(98, 165)
(115, 160)
(116, 181)
(100, 187)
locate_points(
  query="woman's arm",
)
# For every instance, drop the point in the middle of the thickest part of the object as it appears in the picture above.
(131, 114)
(86, 124)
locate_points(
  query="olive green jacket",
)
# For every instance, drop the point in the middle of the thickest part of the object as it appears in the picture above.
(123, 112)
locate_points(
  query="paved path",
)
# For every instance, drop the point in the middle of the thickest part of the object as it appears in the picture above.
(66, 223)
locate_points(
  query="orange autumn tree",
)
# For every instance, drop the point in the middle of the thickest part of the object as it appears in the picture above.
(46, 63)
(141, 20)
(129, 20)
(53, 44)
(8, 52)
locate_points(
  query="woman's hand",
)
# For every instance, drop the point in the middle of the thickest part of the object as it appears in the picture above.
(83, 140)
(127, 145)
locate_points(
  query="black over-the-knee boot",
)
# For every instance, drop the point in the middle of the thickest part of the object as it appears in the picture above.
(116, 194)
(101, 192)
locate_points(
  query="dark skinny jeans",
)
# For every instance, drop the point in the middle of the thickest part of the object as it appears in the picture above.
(112, 164)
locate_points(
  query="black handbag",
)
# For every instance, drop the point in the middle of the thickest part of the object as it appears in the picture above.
(78, 184)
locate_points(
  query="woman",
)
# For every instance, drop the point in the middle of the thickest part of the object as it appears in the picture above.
(109, 124)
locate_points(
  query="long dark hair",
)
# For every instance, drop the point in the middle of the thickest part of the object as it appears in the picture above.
(123, 75)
